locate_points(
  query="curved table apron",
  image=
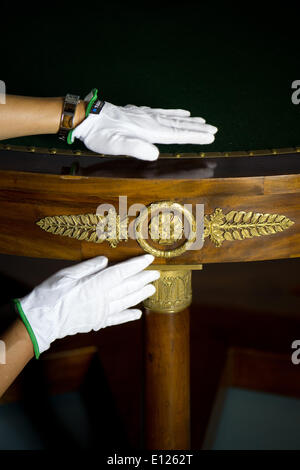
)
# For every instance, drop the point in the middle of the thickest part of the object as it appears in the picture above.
(248, 210)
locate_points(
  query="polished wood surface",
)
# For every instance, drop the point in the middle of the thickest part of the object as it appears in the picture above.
(168, 166)
(265, 371)
(252, 369)
(167, 380)
(27, 197)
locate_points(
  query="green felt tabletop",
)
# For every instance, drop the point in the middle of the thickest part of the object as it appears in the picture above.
(232, 67)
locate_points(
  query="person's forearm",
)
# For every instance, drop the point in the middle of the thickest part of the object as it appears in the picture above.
(18, 352)
(24, 115)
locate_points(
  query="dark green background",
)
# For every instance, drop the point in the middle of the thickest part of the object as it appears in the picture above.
(232, 65)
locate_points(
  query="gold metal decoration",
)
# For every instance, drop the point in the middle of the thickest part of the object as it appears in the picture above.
(88, 227)
(240, 225)
(173, 292)
(195, 155)
(165, 228)
(174, 267)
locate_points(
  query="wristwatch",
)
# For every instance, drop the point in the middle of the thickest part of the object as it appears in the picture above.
(67, 116)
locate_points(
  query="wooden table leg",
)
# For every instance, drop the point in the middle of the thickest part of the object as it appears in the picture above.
(167, 363)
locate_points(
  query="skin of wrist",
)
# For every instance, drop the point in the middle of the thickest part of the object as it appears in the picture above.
(79, 115)
(23, 336)
(18, 338)
(18, 352)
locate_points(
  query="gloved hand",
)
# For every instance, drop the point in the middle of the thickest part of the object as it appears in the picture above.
(132, 130)
(84, 297)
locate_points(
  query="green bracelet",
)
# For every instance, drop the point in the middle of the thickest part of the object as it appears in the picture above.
(87, 112)
(19, 309)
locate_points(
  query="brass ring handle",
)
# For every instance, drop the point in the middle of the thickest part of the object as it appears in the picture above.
(170, 206)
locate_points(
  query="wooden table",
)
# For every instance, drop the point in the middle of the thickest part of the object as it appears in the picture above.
(233, 69)
(251, 212)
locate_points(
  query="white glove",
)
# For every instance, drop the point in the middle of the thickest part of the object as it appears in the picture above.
(132, 130)
(86, 297)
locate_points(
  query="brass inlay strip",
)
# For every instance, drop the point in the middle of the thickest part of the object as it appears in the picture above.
(87, 153)
(175, 267)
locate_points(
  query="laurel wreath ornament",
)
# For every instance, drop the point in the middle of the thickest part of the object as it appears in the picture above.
(218, 227)
(88, 227)
(240, 225)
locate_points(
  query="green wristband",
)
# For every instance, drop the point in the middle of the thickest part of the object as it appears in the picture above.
(87, 112)
(19, 309)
